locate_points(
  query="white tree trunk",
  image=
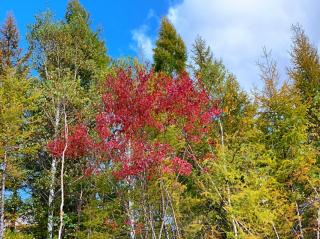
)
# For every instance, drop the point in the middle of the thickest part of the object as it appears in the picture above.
(299, 221)
(51, 197)
(132, 220)
(62, 175)
(130, 203)
(221, 132)
(175, 221)
(3, 188)
(234, 223)
(275, 231)
(318, 224)
(53, 172)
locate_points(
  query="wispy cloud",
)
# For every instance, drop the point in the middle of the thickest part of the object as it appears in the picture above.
(237, 30)
(143, 43)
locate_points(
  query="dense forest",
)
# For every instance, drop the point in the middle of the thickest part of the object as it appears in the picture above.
(95, 147)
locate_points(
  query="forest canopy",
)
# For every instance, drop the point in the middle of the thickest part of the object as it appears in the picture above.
(93, 146)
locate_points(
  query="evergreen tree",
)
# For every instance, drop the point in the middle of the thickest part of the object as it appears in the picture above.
(89, 58)
(170, 54)
(306, 76)
(202, 55)
(283, 119)
(210, 72)
(17, 98)
(10, 52)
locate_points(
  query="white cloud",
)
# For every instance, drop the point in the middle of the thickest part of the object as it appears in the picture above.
(143, 43)
(237, 30)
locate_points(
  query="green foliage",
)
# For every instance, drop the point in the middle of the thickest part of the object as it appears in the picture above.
(255, 169)
(71, 61)
(305, 74)
(283, 119)
(17, 102)
(202, 55)
(170, 54)
(17, 235)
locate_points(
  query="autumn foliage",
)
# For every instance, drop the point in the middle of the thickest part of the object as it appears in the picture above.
(79, 143)
(94, 148)
(138, 106)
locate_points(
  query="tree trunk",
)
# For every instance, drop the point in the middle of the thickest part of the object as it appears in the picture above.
(51, 197)
(318, 210)
(221, 132)
(275, 231)
(131, 213)
(62, 175)
(131, 220)
(176, 225)
(234, 223)
(164, 206)
(15, 210)
(3, 188)
(79, 208)
(318, 224)
(147, 212)
(299, 221)
(53, 172)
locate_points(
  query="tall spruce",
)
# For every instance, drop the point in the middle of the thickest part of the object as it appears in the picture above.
(305, 74)
(170, 54)
(17, 98)
(283, 119)
(10, 52)
(90, 57)
(202, 55)
(210, 72)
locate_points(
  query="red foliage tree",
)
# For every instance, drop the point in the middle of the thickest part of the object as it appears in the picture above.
(140, 104)
(79, 143)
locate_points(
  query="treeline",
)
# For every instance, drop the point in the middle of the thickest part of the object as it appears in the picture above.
(94, 147)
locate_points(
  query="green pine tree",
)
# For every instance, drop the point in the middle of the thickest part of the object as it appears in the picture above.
(17, 123)
(170, 54)
(202, 56)
(283, 119)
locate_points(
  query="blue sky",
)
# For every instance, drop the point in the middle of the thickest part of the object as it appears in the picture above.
(118, 19)
(236, 30)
